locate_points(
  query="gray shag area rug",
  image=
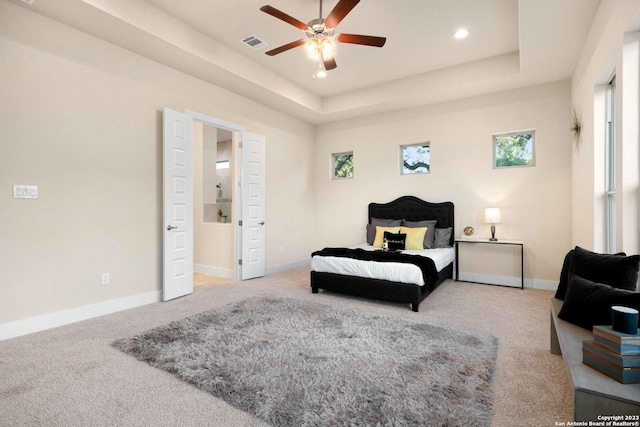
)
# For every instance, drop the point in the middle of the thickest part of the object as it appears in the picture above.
(296, 363)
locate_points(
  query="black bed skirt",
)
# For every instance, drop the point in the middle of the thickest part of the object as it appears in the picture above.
(378, 289)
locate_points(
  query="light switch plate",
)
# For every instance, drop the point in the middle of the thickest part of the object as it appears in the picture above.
(25, 191)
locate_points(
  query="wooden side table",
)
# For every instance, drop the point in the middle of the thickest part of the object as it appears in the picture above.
(490, 242)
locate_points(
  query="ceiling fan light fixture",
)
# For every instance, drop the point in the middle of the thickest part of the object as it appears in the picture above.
(319, 72)
(328, 47)
(313, 48)
(321, 39)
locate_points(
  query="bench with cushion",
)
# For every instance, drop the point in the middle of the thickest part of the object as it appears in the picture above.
(589, 285)
(593, 393)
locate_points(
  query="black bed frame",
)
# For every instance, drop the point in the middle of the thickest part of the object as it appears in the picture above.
(412, 209)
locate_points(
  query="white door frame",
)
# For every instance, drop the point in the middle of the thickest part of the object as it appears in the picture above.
(236, 205)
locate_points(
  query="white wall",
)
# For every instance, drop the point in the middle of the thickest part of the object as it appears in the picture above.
(614, 31)
(81, 118)
(535, 201)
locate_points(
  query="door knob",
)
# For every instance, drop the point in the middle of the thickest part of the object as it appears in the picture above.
(171, 227)
(261, 223)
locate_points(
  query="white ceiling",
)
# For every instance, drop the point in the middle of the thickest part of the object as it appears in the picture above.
(513, 43)
(419, 36)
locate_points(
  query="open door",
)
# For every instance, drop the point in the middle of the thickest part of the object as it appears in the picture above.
(253, 262)
(178, 205)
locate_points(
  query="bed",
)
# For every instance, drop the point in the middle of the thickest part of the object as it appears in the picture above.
(379, 280)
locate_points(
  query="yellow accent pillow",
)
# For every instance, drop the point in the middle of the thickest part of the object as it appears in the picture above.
(415, 237)
(377, 242)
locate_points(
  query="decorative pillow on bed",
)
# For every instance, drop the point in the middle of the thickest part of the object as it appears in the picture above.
(415, 237)
(588, 303)
(431, 230)
(443, 237)
(371, 228)
(377, 242)
(396, 241)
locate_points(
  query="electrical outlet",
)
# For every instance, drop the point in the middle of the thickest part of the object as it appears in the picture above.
(105, 279)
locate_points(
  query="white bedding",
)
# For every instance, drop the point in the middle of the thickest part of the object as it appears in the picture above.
(392, 271)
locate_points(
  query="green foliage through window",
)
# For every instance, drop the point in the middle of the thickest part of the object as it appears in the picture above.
(515, 149)
(343, 165)
(415, 158)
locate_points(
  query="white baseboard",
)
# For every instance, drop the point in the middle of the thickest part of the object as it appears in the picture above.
(214, 271)
(550, 285)
(288, 266)
(509, 281)
(65, 317)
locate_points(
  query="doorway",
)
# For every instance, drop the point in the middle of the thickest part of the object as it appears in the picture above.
(245, 206)
(213, 198)
(247, 209)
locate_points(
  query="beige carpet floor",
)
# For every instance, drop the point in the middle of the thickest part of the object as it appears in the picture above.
(71, 376)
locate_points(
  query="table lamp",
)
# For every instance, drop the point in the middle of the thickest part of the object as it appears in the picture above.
(492, 216)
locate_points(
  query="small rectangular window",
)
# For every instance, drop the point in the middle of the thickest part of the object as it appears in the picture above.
(342, 165)
(514, 149)
(415, 158)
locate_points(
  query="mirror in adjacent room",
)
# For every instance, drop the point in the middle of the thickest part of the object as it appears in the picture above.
(217, 175)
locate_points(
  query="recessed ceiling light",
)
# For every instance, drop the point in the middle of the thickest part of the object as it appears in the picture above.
(461, 34)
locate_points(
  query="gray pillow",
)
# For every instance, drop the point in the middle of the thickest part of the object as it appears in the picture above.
(371, 228)
(443, 237)
(430, 235)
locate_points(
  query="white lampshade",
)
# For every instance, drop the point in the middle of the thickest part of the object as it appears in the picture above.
(492, 216)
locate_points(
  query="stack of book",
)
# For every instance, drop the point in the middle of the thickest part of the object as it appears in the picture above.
(614, 354)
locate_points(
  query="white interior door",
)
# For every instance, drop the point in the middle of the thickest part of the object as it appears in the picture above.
(253, 206)
(178, 205)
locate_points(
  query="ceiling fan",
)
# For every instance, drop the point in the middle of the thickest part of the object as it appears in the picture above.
(320, 35)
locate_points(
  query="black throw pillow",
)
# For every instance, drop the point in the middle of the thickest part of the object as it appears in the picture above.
(618, 271)
(588, 303)
(565, 274)
(371, 227)
(396, 241)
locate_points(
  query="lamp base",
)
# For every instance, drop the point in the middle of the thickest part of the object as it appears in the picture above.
(493, 233)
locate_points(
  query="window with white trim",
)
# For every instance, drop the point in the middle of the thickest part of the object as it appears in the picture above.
(415, 158)
(342, 165)
(514, 149)
(610, 165)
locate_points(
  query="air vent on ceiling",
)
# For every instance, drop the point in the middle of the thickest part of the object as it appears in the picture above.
(29, 2)
(254, 42)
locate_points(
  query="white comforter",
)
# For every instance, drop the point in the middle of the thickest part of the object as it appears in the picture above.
(392, 271)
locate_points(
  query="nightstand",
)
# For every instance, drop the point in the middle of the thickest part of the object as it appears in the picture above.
(490, 242)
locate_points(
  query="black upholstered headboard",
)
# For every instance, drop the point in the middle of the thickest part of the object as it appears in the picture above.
(414, 209)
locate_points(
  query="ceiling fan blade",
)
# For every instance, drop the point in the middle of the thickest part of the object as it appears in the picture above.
(329, 64)
(285, 47)
(339, 12)
(284, 17)
(360, 39)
